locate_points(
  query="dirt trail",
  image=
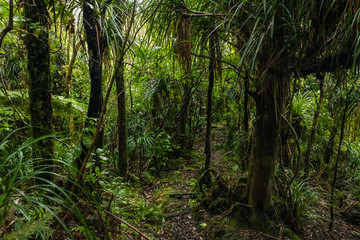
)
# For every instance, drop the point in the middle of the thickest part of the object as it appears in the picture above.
(174, 191)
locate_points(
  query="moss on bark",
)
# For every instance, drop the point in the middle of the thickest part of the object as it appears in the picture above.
(37, 44)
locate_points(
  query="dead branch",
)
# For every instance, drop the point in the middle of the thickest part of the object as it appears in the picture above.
(127, 224)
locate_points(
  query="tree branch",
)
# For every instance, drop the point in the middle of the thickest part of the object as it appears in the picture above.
(194, 13)
(10, 24)
(328, 64)
(216, 59)
(127, 224)
(202, 15)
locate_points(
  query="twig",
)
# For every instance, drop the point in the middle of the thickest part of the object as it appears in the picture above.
(127, 224)
(178, 214)
(269, 236)
(203, 15)
(182, 195)
(199, 14)
(216, 59)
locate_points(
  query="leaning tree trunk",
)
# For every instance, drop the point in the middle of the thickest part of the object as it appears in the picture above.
(270, 105)
(95, 50)
(40, 83)
(68, 76)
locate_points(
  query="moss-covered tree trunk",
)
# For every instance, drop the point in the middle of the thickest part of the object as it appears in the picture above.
(38, 64)
(184, 111)
(270, 105)
(183, 48)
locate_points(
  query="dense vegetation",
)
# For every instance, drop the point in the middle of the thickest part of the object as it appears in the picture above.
(179, 119)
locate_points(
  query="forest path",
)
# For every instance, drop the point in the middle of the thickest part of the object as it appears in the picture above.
(174, 191)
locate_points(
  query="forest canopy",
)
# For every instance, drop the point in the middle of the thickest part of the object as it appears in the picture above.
(179, 119)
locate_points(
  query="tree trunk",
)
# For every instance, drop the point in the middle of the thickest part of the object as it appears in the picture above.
(270, 105)
(209, 101)
(183, 48)
(333, 184)
(329, 151)
(184, 114)
(246, 105)
(122, 121)
(68, 77)
(40, 83)
(355, 125)
(94, 41)
(313, 128)
(95, 50)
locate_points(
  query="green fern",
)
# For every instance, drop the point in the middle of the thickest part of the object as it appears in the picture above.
(28, 229)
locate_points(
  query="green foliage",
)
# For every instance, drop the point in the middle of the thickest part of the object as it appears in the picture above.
(296, 201)
(237, 144)
(302, 105)
(41, 199)
(8, 116)
(349, 179)
(302, 196)
(40, 228)
(128, 203)
(249, 32)
(161, 151)
(153, 149)
(65, 106)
